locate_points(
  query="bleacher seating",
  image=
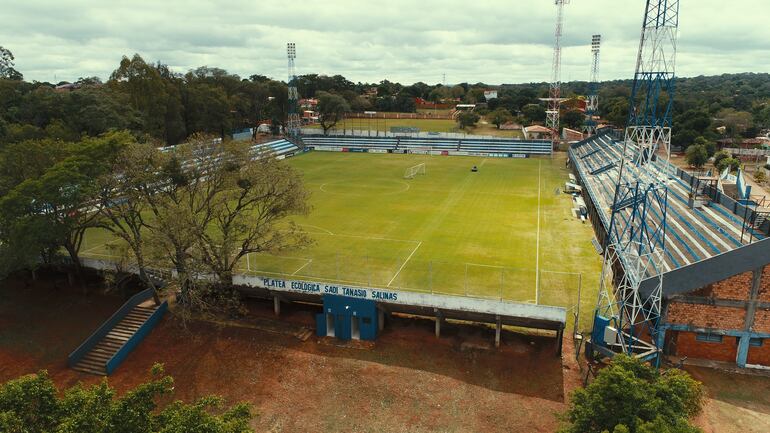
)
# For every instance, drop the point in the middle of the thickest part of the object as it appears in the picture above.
(470, 145)
(692, 234)
(278, 147)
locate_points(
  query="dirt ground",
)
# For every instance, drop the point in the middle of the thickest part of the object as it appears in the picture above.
(406, 381)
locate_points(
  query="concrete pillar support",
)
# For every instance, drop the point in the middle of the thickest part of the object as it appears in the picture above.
(498, 331)
(277, 305)
(439, 318)
(380, 320)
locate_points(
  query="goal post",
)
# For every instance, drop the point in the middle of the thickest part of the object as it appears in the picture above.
(413, 171)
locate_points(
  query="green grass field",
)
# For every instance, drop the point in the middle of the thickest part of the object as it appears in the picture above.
(448, 231)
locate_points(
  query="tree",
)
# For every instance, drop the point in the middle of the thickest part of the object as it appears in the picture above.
(257, 193)
(533, 113)
(6, 66)
(500, 117)
(60, 201)
(33, 404)
(710, 146)
(467, 118)
(697, 156)
(629, 396)
(122, 193)
(729, 162)
(573, 119)
(331, 109)
(719, 156)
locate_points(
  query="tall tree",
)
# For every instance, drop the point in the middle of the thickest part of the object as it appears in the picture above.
(258, 192)
(6, 65)
(331, 109)
(500, 116)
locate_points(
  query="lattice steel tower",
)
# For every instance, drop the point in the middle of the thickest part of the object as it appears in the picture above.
(592, 105)
(629, 306)
(293, 122)
(554, 94)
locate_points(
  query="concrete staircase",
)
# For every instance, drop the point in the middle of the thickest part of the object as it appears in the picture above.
(95, 360)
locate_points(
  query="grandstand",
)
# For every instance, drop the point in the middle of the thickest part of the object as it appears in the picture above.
(438, 145)
(707, 256)
(281, 148)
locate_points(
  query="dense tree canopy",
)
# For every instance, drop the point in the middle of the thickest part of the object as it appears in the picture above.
(631, 397)
(33, 404)
(152, 101)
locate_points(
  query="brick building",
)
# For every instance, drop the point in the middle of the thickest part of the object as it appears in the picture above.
(727, 321)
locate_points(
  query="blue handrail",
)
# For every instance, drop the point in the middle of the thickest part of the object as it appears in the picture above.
(107, 326)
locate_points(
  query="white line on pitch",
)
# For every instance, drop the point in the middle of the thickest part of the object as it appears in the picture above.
(309, 261)
(537, 247)
(404, 264)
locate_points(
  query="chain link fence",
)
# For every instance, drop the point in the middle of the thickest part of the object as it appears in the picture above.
(543, 287)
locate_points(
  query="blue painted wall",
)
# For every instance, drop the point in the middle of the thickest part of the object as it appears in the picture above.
(347, 314)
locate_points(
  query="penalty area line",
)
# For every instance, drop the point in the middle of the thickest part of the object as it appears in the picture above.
(404, 264)
(309, 261)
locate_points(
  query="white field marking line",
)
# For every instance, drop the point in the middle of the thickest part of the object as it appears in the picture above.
(375, 238)
(404, 264)
(309, 261)
(537, 247)
(483, 161)
(316, 227)
(384, 193)
(98, 246)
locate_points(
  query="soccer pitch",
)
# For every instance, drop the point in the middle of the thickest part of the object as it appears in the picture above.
(504, 232)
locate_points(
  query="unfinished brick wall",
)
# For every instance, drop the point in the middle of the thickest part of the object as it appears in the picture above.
(687, 345)
(761, 321)
(760, 355)
(737, 287)
(764, 286)
(706, 316)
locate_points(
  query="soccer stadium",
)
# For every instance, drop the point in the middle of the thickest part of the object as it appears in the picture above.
(467, 218)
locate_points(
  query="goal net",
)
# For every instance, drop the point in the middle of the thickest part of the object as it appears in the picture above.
(411, 172)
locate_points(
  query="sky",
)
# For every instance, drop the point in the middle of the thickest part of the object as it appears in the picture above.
(490, 41)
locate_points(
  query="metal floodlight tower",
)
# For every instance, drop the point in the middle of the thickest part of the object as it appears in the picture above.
(629, 305)
(554, 93)
(293, 123)
(592, 105)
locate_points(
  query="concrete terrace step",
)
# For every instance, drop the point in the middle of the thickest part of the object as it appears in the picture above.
(95, 361)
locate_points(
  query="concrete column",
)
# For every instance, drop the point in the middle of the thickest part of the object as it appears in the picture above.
(277, 305)
(559, 335)
(380, 320)
(498, 330)
(438, 323)
(743, 350)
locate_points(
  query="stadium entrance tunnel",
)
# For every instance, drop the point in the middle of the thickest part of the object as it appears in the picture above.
(347, 318)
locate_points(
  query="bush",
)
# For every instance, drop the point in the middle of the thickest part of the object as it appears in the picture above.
(629, 396)
(697, 156)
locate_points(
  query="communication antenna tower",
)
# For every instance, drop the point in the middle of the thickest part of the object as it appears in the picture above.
(293, 123)
(554, 93)
(629, 306)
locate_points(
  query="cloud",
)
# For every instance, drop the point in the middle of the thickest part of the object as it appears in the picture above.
(493, 41)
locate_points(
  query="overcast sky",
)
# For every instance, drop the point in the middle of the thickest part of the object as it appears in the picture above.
(493, 41)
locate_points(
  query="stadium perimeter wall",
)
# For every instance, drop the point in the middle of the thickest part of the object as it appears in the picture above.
(494, 312)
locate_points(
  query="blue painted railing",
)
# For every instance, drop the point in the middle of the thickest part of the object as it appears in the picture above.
(137, 338)
(107, 326)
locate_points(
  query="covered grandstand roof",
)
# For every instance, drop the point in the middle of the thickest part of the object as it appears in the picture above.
(693, 235)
